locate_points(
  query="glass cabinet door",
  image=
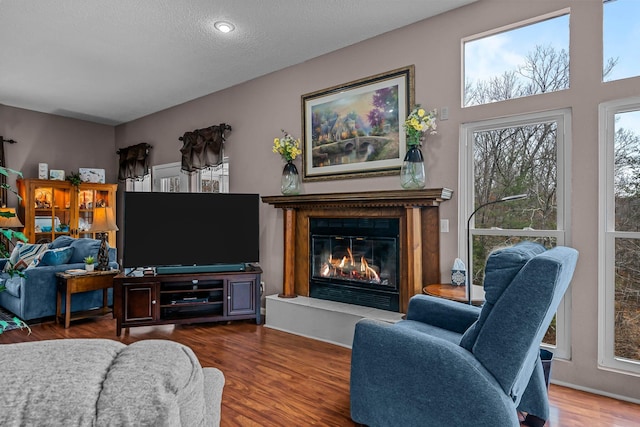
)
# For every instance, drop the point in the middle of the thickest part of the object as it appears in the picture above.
(52, 217)
(89, 198)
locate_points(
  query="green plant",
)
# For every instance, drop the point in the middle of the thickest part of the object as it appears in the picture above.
(10, 235)
(89, 260)
(74, 179)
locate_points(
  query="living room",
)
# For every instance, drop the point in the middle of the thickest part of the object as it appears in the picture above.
(259, 108)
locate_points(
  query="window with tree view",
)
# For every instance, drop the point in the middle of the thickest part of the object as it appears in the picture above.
(621, 233)
(509, 157)
(523, 61)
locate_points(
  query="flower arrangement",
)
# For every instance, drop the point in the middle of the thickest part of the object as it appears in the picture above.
(419, 122)
(288, 147)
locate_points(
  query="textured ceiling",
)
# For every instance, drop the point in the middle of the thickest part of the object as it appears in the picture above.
(112, 61)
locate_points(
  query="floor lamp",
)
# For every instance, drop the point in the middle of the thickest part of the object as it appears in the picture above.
(469, 254)
(103, 222)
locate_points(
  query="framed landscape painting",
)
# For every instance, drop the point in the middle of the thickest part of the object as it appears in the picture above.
(355, 130)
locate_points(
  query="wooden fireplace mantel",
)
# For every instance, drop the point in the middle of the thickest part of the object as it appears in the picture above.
(417, 210)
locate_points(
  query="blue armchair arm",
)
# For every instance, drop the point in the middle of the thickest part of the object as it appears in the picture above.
(443, 313)
(435, 378)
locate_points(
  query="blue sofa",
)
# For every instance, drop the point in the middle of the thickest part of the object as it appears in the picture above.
(452, 364)
(34, 296)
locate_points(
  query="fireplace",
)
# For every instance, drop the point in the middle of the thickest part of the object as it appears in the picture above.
(412, 215)
(356, 261)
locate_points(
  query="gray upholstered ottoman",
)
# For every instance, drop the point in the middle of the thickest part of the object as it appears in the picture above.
(87, 382)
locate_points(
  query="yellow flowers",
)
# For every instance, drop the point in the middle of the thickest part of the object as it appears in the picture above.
(288, 147)
(418, 122)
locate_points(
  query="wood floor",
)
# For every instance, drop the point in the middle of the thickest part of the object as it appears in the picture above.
(278, 379)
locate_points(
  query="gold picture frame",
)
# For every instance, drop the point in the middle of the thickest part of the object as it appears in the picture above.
(354, 130)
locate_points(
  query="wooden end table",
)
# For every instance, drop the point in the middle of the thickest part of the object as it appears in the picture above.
(449, 291)
(69, 284)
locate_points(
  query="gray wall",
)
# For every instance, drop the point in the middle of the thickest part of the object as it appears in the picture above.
(62, 143)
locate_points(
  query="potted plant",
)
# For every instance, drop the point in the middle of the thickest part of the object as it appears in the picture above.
(89, 263)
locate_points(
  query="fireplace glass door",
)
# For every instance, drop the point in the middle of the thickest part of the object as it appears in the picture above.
(355, 261)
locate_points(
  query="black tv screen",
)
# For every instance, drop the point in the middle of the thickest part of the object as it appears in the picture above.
(179, 229)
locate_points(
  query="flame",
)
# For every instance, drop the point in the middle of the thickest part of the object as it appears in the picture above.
(368, 272)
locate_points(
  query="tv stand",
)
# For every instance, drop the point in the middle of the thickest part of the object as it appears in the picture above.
(186, 298)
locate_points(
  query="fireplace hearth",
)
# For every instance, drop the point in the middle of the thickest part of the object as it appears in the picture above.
(350, 272)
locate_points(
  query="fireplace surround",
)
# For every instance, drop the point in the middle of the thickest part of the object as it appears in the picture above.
(417, 215)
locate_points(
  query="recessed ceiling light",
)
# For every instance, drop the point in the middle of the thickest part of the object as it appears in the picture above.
(224, 26)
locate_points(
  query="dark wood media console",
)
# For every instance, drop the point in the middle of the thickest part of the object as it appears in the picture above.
(186, 298)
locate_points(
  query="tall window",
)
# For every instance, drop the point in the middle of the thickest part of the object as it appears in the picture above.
(621, 35)
(619, 281)
(520, 60)
(510, 156)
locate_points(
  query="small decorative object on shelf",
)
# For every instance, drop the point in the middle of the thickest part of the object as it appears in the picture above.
(419, 121)
(289, 148)
(89, 263)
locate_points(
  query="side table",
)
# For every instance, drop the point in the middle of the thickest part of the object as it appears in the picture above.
(69, 284)
(449, 291)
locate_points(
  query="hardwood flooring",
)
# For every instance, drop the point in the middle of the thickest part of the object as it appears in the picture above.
(278, 379)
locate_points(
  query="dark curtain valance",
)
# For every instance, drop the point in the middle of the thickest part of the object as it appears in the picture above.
(134, 161)
(203, 148)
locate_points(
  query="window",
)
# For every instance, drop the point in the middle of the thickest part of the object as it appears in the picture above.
(619, 243)
(143, 184)
(521, 60)
(511, 156)
(169, 178)
(214, 179)
(621, 32)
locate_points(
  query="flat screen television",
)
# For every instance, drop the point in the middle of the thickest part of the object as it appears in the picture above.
(190, 229)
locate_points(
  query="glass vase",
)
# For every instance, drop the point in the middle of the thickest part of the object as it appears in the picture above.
(290, 183)
(412, 174)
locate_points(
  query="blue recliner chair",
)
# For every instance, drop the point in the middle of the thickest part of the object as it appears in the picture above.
(452, 364)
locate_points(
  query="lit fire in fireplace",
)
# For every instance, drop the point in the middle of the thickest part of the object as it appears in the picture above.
(348, 268)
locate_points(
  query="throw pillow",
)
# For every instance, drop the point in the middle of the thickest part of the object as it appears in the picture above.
(83, 248)
(24, 254)
(53, 257)
(61, 242)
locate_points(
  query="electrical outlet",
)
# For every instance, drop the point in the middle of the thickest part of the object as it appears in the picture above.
(444, 225)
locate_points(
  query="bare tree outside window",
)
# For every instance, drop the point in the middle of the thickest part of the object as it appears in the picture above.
(627, 249)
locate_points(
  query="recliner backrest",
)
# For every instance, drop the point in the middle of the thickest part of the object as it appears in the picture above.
(501, 268)
(508, 339)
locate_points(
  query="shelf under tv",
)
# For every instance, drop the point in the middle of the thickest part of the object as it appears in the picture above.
(187, 269)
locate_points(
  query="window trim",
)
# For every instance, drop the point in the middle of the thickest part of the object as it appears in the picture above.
(562, 349)
(607, 236)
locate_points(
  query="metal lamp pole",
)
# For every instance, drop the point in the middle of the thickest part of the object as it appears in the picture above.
(469, 255)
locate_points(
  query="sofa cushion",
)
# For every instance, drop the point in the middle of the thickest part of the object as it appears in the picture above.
(83, 248)
(61, 242)
(24, 254)
(53, 257)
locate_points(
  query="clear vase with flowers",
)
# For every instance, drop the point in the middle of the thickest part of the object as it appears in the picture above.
(418, 123)
(289, 148)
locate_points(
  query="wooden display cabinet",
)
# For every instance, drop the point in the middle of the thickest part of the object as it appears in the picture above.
(186, 298)
(51, 208)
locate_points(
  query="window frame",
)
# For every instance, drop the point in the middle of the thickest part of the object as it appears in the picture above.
(607, 236)
(504, 29)
(466, 206)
